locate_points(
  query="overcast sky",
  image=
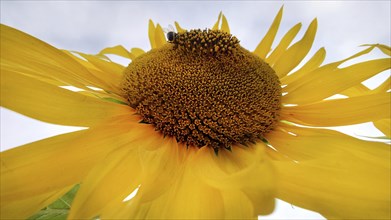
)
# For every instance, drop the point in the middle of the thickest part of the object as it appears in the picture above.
(89, 26)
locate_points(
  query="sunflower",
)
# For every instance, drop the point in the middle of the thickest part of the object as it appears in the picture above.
(196, 128)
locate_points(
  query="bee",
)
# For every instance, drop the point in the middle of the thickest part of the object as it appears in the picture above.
(170, 33)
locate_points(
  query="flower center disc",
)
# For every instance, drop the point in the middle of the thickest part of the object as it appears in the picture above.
(204, 89)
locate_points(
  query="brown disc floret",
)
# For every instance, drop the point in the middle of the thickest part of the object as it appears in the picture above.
(201, 95)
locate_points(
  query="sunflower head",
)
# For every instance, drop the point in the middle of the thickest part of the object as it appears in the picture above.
(204, 89)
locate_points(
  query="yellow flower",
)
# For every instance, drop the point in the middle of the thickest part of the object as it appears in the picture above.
(199, 126)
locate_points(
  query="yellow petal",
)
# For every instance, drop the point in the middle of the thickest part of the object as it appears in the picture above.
(194, 200)
(155, 155)
(283, 45)
(109, 73)
(49, 73)
(384, 125)
(224, 24)
(384, 48)
(112, 180)
(265, 45)
(37, 168)
(296, 53)
(115, 210)
(118, 174)
(312, 64)
(151, 34)
(185, 198)
(188, 199)
(300, 144)
(137, 51)
(22, 209)
(216, 25)
(384, 87)
(52, 104)
(360, 89)
(117, 50)
(170, 190)
(41, 60)
(160, 39)
(110, 68)
(228, 170)
(339, 112)
(60, 161)
(356, 90)
(237, 205)
(310, 76)
(190, 195)
(342, 177)
(7, 65)
(179, 28)
(332, 82)
(153, 158)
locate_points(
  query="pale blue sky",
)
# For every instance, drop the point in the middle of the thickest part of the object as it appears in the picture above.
(89, 26)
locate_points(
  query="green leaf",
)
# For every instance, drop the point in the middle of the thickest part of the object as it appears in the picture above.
(59, 209)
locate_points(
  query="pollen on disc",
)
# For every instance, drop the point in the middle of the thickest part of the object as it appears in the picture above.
(202, 98)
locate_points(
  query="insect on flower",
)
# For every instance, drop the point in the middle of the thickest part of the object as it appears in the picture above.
(170, 33)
